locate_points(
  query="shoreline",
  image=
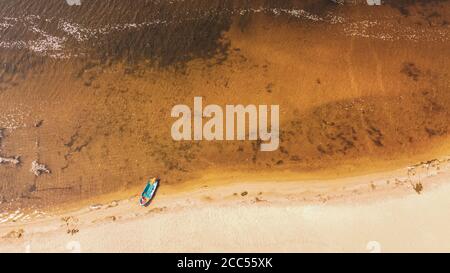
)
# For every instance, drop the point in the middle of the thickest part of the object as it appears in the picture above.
(262, 200)
(345, 171)
(214, 179)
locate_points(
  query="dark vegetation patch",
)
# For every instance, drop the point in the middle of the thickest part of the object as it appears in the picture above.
(404, 6)
(411, 70)
(375, 125)
(15, 64)
(75, 145)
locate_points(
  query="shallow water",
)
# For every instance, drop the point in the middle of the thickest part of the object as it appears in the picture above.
(87, 90)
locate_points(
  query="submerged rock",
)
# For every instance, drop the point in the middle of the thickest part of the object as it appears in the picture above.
(5, 160)
(38, 168)
(13, 160)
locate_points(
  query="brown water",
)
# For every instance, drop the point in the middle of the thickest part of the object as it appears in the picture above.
(87, 90)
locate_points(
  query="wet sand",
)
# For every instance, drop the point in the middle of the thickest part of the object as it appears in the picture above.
(361, 91)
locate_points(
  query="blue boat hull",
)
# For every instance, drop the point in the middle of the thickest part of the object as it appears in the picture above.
(148, 193)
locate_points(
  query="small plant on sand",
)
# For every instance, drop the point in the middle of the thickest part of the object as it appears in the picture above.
(418, 187)
(71, 224)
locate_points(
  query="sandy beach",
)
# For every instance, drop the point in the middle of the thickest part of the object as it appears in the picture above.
(374, 213)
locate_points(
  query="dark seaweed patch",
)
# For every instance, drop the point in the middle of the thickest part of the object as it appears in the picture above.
(403, 6)
(411, 70)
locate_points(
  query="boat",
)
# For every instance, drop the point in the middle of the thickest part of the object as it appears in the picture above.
(149, 192)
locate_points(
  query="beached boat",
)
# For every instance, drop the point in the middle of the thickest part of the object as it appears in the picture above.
(149, 192)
